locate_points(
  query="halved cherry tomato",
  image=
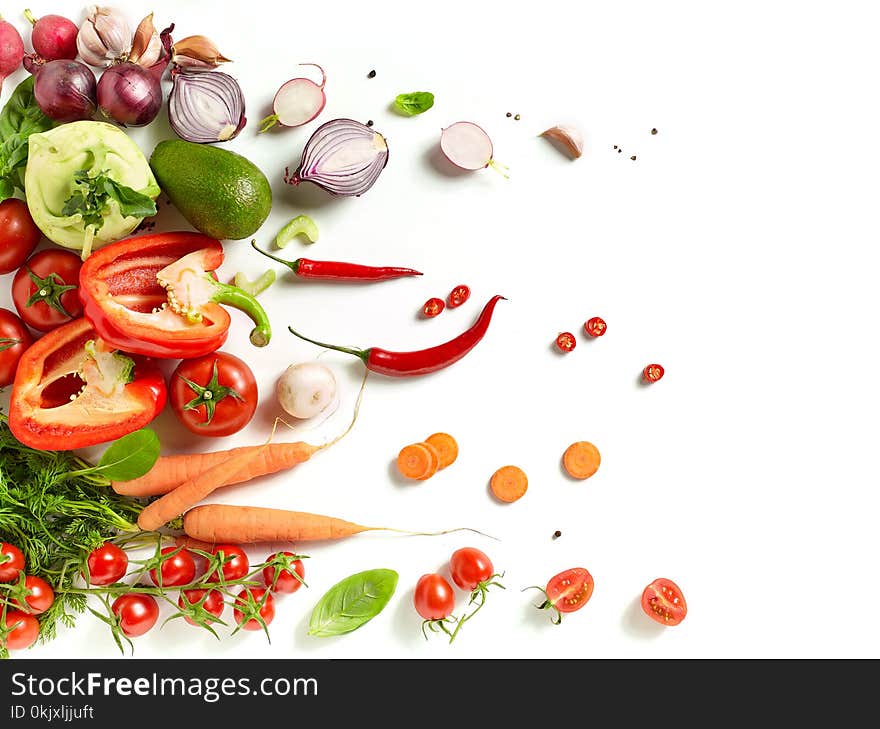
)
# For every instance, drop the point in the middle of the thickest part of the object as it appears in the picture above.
(247, 601)
(21, 631)
(595, 327)
(236, 564)
(653, 372)
(470, 567)
(433, 307)
(664, 602)
(107, 564)
(213, 603)
(177, 569)
(19, 234)
(11, 562)
(434, 598)
(137, 613)
(566, 342)
(279, 579)
(567, 592)
(458, 296)
(14, 340)
(44, 290)
(40, 595)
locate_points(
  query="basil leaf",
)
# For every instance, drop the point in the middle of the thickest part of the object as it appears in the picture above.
(20, 118)
(415, 103)
(130, 457)
(353, 602)
(131, 202)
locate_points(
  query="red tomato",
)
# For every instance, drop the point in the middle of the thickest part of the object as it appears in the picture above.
(434, 598)
(458, 296)
(18, 234)
(568, 591)
(177, 569)
(14, 340)
(107, 564)
(664, 602)
(566, 342)
(433, 307)
(248, 600)
(653, 372)
(595, 327)
(11, 562)
(213, 395)
(470, 567)
(236, 564)
(23, 628)
(44, 290)
(279, 579)
(136, 613)
(212, 604)
(40, 595)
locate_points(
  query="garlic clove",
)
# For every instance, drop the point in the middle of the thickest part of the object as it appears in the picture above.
(146, 47)
(104, 36)
(197, 51)
(570, 139)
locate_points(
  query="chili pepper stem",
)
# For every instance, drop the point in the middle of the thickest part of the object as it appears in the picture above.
(244, 302)
(362, 354)
(292, 265)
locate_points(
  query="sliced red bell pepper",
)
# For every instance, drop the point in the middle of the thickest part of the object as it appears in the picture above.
(155, 295)
(72, 390)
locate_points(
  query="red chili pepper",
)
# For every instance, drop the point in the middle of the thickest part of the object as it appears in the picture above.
(653, 372)
(458, 296)
(338, 271)
(566, 341)
(595, 327)
(423, 361)
(72, 390)
(433, 307)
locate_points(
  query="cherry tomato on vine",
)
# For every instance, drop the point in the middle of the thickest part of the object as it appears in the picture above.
(11, 562)
(470, 567)
(595, 327)
(177, 569)
(14, 340)
(212, 604)
(19, 234)
(566, 342)
(458, 296)
(40, 595)
(567, 592)
(236, 564)
(44, 289)
(214, 395)
(279, 579)
(137, 613)
(653, 372)
(433, 307)
(434, 598)
(247, 602)
(107, 564)
(23, 630)
(664, 602)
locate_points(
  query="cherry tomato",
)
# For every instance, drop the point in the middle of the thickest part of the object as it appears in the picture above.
(44, 290)
(458, 296)
(136, 613)
(470, 567)
(664, 602)
(433, 307)
(177, 569)
(11, 562)
(653, 372)
(568, 591)
(248, 599)
(236, 564)
(212, 604)
(279, 579)
(595, 327)
(107, 564)
(434, 598)
(40, 595)
(566, 342)
(19, 234)
(213, 395)
(23, 631)
(14, 340)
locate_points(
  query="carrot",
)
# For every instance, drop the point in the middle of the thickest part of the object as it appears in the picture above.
(435, 460)
(446, 447)
(190, 543)
(415, 461)
(509, 483)
(581, 460)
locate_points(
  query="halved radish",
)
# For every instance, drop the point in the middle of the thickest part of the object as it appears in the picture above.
(467, 146)
(297, 102)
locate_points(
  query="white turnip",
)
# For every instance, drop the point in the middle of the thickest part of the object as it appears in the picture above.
(307, 389)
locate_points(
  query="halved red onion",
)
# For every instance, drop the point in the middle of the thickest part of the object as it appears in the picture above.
(343, 156)
(205, 106)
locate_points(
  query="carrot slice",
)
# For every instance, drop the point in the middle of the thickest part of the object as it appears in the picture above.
(415, 461)
(446, 447)
(581, 460)
(435, 461)
(509, 483)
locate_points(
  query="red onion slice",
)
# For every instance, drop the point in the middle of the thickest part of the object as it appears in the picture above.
(206, 106)
(344, 157)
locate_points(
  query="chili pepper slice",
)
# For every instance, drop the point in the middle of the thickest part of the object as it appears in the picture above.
(566, 342)
(458, 296)
(596, 326)
(339, 271)
(73, 390)
(423, 361)
(433, 307)
(155, 295)
(653, 372)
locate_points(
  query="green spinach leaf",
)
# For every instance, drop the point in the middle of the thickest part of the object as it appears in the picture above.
(353, 602)
(415, 103)
(130, 457)
(20, 118)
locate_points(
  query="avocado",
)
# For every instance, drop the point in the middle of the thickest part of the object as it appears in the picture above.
(220, 193)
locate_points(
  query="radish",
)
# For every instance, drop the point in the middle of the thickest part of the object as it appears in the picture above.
(11, 50)
(53, 36)
(306, 390)
(297, 102)
(467, 146)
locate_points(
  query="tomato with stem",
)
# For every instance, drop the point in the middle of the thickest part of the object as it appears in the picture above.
(566, 592)
(18, 630)
(19, 234)
(663, 602)
(284, 572)
(201, 603)
(236, 564)
(11, 562)
(39, 595)
(254, 608)
(44, 290)
(107, 564)
(177, 568)
(136, 613)
(14, 340)
(434, 601)
(472, 570)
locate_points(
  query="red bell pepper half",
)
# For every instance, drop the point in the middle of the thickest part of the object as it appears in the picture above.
(72, 390)
(155, 295)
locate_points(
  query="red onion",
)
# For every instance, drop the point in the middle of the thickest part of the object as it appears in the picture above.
(343, 156)
(65, 90)
(205, 106)
(129, 94)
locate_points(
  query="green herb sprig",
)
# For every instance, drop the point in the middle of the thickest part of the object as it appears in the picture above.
(93, 194)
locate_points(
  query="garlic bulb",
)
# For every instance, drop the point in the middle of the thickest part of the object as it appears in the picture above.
(104, 36)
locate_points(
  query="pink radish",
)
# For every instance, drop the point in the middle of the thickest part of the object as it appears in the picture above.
(53, 36)
(11, 50)
(297, 102)
(467, 146)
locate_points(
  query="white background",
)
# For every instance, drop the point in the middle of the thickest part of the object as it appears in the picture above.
(738, 250)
